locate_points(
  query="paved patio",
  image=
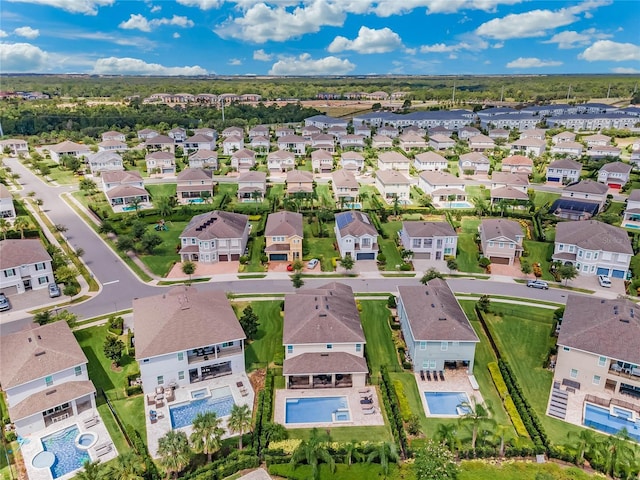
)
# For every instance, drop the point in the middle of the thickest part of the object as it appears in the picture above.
(358, 418)
(157, 430)
(454, 381)
(33, 445)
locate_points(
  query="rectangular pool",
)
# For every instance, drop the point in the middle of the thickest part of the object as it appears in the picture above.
(601, 419)
(458, 205)
(317, 410)
(221, 403)
(447, 403)
(68, 457)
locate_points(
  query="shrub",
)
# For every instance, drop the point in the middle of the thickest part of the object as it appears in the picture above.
(11, 436)
(134, 390)
(405, 267)
(518, 424)
(381, 258)
(484, 262)
(391, 302)
(498, 381)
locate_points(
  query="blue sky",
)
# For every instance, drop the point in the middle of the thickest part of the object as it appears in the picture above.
(319, 37)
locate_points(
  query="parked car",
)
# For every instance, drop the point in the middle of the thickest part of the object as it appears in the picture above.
(54, 290)
(538, 284)
(290, 267)
(4, 303)
(604, 281)
(312, 263)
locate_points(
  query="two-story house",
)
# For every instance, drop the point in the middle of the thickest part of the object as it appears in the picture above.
(160, 143)
(243, 160)
(571, 149)
(124, 188)
(24, 265)
(195, 185)
(281, 161)
(112, 146)
(615, 174)
(474, 163)
(323, 141)
(430, 161)
(593, 247)
(204, 159)
(252, 186)
(356, 236)
(597, 140)
(16, 146)
(178, 134)
(161, 163)
(106, 161)
(233, 132)
(112, 135)
(283, 236)
(260, 144)
(345, 186)
(147, 133)
(631, 216)
(199, 142)
(605, 151)
(465, 133)
(299, 181)
(259, 131)
(441, 142)
(564, 170)
(232, 144)
(526, 146)
(354, 142)
(436, 330)
(588, 190)
(429, 240)
(442, 187)
(563, 137)
(352, 161)
(517, 164)
(411, 141)
(293, 143)
(7, 209)
(381, 142)
(393, 185)
(501, 240)
(44, 376)
(323, 339)
(393, 161)
(321, 161)
(480, 143)
(215, 236)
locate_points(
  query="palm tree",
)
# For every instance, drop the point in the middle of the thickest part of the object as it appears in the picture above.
(481, 205)
(128, 466)
(5, 226)
(446, 435)
(21, 224)
(313, 451)
(384, 452)
(477, 415)
(163, 204)
(616, 451)
(92, 471)
(351, 453)
(174, 452)
(585, 444)
(207, 433)
(239, 421)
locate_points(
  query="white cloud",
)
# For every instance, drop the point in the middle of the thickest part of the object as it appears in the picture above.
(88, 7)
(386, 8)
(532, 62)
(202, 4)
(305, 65)
(235, 62)
(611, 51)
(262, 56)
(474, 46)
(625, 70)
(572, 39)
(368, 40)
(176, 35)
(27, 32)
(138, 42)
(140, 22)
(262, 23)
(156, 8)
(135, 66)
(22, 57)
(498, 45)
(3, 34)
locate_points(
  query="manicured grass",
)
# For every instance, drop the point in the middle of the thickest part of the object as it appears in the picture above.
(371, 192)
(477, 191)
(481, 470)
(388, 245)
(347, 434)
(468, 253)
(321, 248)
(540, 252)
(158, 190)
(276, 190)
(470, 225)
(268, 342)
(164, 255)
(325, 195)
(544, 198)
(379, 348)
(616, 209)
(60, 175)
(256, 250)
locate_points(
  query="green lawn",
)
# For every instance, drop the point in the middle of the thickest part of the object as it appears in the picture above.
(347, 434)
(380, 349)
(481, 470)
(256, 250)
(470, 225)
(164, 255)
(342, 472)
(321, 248)
(268, 342)
(161, 190)
(477, 191)
(540, 252)
(325, 195)
(543, 198)
(468, 253)
(61, 175)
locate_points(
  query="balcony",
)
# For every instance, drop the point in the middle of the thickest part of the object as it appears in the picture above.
(625, 370)
(210, 353)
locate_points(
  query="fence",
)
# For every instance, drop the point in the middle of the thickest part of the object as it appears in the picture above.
(116, 417)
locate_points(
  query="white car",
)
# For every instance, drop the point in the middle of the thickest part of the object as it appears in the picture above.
(604, 281)
(313, 263)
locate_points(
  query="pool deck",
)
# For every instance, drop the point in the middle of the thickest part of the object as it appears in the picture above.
(454, 381)
(157, 430)
(358, 417)
(34, 445)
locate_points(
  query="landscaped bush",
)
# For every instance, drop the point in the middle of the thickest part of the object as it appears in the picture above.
(498, 381)
(512, 411)
(390, 401)
(134, 390)
(11, 436)
(403, 402)
(115, 325)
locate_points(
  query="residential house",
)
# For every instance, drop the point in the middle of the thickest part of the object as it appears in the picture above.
(442, 187)
(68, 148)
(517, 164)
(393, 161)
(505, 179)
(281, 161)
(597, 140)
(321, 161)
(501, 240)
(338, 131)
(364, 130)
(324, 122)
(508, 193)
(388, 131)
(356, 236)
(25, 265)
(195, 185)
(411, 141)
(112, 146)
(199, 142)
(355, 142)
(324, 141)
(631, 216)
(598, 359)
(465, 133)
(260, 144)
(587, 190)
(147, 133)
(635, 153)
(441, 142)
(161, 163)
(233, 132)
(345, 186)
(564, 171)
(497, 133)
(310, 131)
(104, 162)
(232, 144)
(393, 185)
(259, 131)
(215, 236)
(284, 132)
(16, 146)
(615, 174)
(252, 186)
(293, 143)
(429, 240)
(606, 151)
(323, 339)
(580, 201)
(430, 161)
(474, 163)
(204, 159)
(437, 130)
(125, 190)
(381, 142)
(526, 146)
(593, 247)
(208, 132)
(480, 143)
(436, 330)
(563, 137)
(572, 149)
(353, 161)
(7, 209)
(299, 181)
(243, 160)
(535, 133)
(44, 377)
(160, 143)
(178, 134)
(283, 236)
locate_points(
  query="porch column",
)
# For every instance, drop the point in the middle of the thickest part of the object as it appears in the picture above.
(470, 367)
(74, 407)
(311, 380)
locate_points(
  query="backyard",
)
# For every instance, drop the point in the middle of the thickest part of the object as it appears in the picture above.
(267, 346)
(468, 251)
(322, 248)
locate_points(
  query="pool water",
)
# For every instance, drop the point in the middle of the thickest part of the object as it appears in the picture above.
(601, 419)
(86, 440)
(197, 394)
(317, 410)
(221, 402)
(446, 403)
(196, 200)
(353, 206)
(128, 209)
(459, 205)
(631, 225)
(68, 456)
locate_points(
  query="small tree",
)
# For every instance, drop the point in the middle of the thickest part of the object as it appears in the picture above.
(525, 267)
(71, 289)
(391, 301)
(149, 242)
(125, 243)
(113, 348)
(297, 281)
(347, 262)
(484, 262)
(240, 421)
(188, 268)
(42, 318)
(484, 303)
(249, 322)
(567, 272)
(452, 264)
(297, 266)
(430, 275)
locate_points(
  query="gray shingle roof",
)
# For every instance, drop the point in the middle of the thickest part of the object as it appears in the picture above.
(284, 224)
(496, 228)
(354, 223)
(129, 176)
(14, 253)
(50, 398)
(428, 229)
(324, 363)
(616, 167)
(392, 177)
(567, 164)
(594, 235)
(216, 224)
(587, 186)
(190, 174)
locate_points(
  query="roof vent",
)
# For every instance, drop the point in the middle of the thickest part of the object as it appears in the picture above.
(29, 339)
(624, 320)
(39, 337)
(601, 301)
(38, 354)
(324, 354)
(427, 292)
(322, 315)
(51, 392)
(442, 318)
(433, 305)
(615, 310)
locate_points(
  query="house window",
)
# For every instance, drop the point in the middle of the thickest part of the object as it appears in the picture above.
(423, 345)
(566, 349)
(43, 280)
(329, 346)
(512, 246)
(180, 356)
(48, 380)
(160, 379)
(10, 272)
(193, 241)
(602, 361)
(574, 373)
(596, 379)
(146, 360)
(501, 245)
(416, 243)
(580, 253)
(366, 242)
(181, 375)
(358, 347)
(491, 244)
(40, 266)
(588, 255)
(289, 348)
(561, 247)
(444, 346)
(78, 370)
(455, 344)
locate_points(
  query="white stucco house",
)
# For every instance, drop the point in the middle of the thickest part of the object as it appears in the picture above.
(356, 236)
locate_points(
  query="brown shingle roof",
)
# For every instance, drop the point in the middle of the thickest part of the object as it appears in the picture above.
(517, 160)
(440, 178)
(588, 186)
(122, 191)
(594, 235)
(354, 223)
(52, 397)
(566, 163)
(434, 313)
(428, 229)
(252, 176)
(14, 253)
(189, 174)
(509, 192)
(509, 178)
(324, 363)
(299, 176)
(284, 224)
(605, 327)
(322, 315)
(392, 157)
(38, 352)
(183, 319)
(122, 176)
(216, 224)
(392, 177)
(344, 178)
(4, 191)
(496, 228)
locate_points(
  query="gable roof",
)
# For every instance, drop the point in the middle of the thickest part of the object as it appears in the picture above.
(301, 176)
(587, 186)
(428, 229)
(567, 164)
(327, 314)
(474, 157)
(38, 352)
(440, 178)
(344, 178)
(182, 319)
(608, 327)
(434, 314)
(68, 146)
(392, 177)
(14, 253)
(122, 176)
(216, 224)
(508, 192)
(616, 167)
(189, 174)
(392, 157)
(430, 157)
(499, 227)
(284, 224)
(355, 224)
(517, 160)
(594, 235)
(204, 154)
(244, 153)
(509, 178)
(252, 176)
(159, 139)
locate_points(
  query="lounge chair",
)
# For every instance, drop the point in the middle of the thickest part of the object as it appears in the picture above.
(91, 422)
(369, 411)
(435, 375)
(366, 400)
(428, 375)
(422, 375)
(441, 375)
(367, 406)
(104, 450)
(364, 390)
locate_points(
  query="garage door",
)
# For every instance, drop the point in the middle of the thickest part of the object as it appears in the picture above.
(235, 257)
(278, 257)
(365, 256)
(553, 179)
(602, 271)
(223, 258)
(422, 256)
(499, 260)
(617, 274)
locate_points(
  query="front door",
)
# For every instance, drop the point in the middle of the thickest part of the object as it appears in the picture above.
(27, 284)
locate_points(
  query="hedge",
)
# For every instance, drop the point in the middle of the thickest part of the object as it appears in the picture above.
(498, 381)
(134, 390)
(390, 400)
(403, 403)
(518, 424)
(226, 466)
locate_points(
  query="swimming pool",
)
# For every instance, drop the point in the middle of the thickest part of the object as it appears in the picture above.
(196, 200)
(220, 401)
(198, 394)
(458, 205)
(601, 419)
(631, 225)
(128, 209)
(353, 205)
(317, 410)
(68, 456)
(447, 403)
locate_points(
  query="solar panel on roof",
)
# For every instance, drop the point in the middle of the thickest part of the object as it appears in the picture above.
(574, 206)
(343, 220)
